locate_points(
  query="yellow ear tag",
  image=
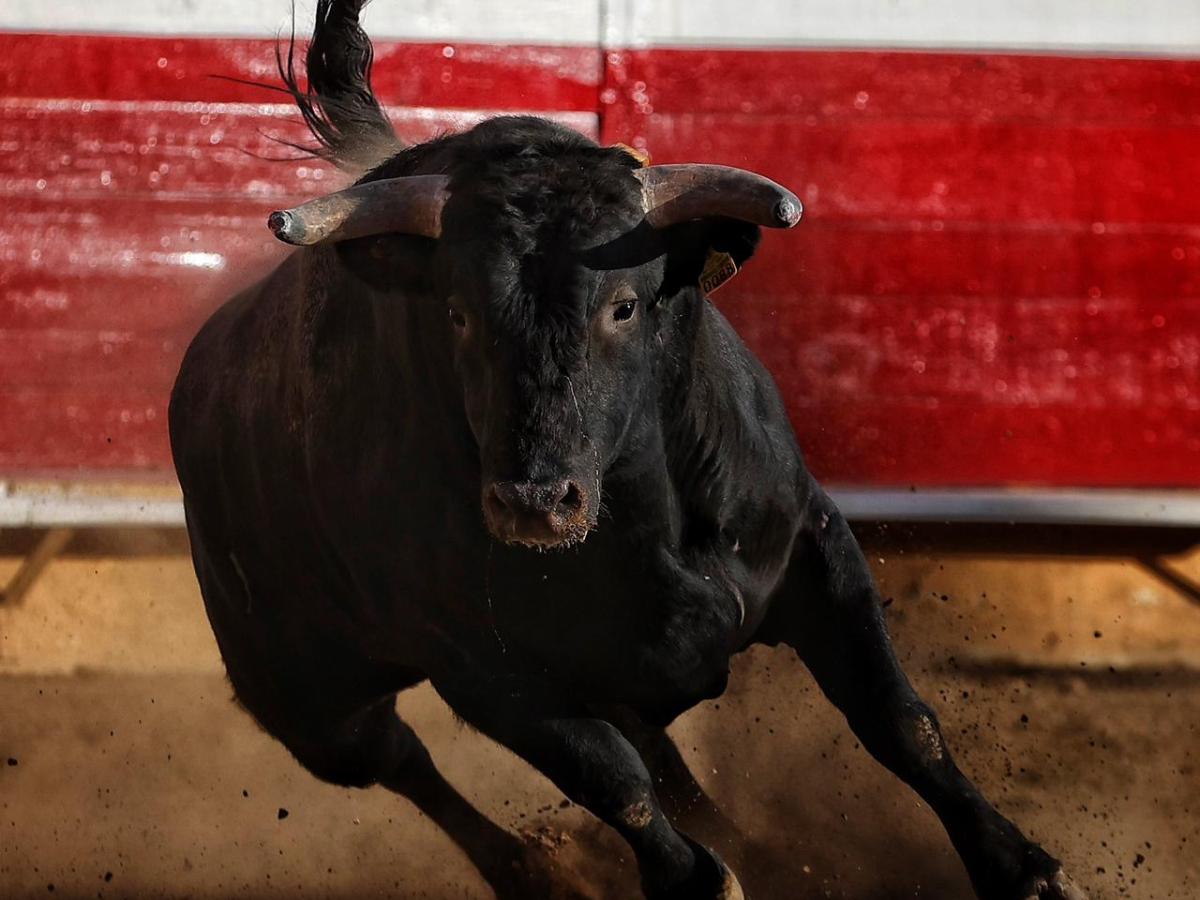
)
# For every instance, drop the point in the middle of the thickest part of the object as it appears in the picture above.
(640, 155)
(718, 269)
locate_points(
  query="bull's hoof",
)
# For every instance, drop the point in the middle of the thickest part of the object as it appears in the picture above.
(1005, 865)
(731, 890)
(711, 879)
(1057, 887)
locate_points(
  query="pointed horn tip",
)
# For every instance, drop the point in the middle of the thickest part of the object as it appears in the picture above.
(287, 227)
(787, 212)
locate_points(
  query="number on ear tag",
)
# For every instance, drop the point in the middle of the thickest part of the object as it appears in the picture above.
(718, 269)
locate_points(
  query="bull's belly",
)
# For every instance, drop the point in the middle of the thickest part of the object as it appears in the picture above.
(594, 635)
(595, 669)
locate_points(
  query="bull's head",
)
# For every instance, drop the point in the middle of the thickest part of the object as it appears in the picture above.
(554, 270)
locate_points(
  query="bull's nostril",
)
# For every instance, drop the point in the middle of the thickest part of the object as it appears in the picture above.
(545, 513)
(572, 498)
(530, 500)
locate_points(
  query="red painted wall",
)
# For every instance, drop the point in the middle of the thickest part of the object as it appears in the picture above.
(996, 280)
(997, 277)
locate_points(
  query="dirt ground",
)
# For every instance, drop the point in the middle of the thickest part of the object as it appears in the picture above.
(1068, 688)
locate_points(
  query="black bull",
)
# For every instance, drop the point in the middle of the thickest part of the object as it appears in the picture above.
(513, 352)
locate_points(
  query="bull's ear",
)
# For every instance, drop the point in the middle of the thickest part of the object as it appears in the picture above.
(705, 253)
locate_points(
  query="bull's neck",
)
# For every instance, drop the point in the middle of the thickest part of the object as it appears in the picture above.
(669, 478)
(700, 418)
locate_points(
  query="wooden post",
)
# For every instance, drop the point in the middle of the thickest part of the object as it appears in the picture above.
(48, 546)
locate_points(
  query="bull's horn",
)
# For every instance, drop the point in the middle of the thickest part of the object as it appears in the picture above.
(673, 194)
(408, 205)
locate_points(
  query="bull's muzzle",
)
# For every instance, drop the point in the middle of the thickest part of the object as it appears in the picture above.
(537, 514)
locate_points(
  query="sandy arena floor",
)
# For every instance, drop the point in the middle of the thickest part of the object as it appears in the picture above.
(151, 783)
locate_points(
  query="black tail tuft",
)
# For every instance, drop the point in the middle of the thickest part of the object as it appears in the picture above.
(338, 105)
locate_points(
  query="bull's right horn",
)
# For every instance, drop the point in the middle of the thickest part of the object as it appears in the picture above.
(411, 204)
(677, 193)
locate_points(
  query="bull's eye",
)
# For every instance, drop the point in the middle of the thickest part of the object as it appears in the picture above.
(623, 312)
(457, 319)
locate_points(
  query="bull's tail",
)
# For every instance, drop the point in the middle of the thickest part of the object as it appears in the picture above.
(337, 104)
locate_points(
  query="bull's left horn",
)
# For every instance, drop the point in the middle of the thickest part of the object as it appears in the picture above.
(408, 205)
(673, 194)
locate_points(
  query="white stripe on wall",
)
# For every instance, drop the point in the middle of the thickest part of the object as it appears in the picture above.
(1161, 27)
(65, 506)
(486, 21)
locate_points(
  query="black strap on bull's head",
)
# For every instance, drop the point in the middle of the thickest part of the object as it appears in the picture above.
(413, 204)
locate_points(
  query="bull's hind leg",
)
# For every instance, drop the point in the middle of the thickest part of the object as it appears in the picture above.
(590, 761)
(829, 611)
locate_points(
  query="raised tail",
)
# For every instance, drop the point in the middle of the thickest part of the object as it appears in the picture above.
(338, 104)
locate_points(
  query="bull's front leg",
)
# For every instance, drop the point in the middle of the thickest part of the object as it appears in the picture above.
(829, 612)
(590, 761)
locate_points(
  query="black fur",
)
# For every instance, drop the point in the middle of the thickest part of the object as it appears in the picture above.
(342, 432)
